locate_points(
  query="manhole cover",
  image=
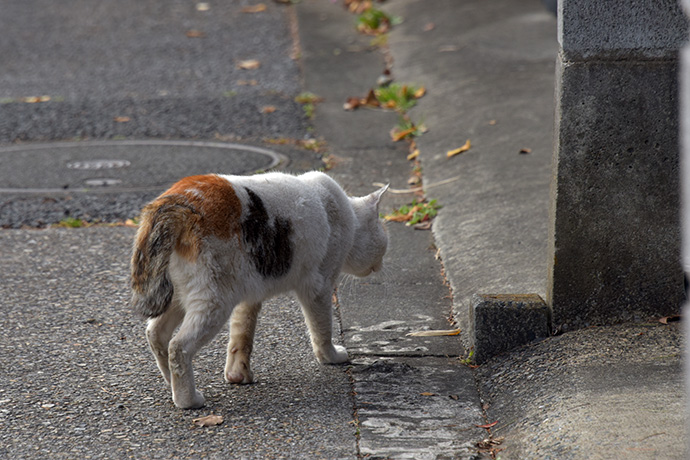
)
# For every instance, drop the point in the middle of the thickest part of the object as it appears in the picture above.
(123, 165)
(99, 164)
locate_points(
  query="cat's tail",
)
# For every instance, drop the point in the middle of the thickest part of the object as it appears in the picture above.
(167, 224)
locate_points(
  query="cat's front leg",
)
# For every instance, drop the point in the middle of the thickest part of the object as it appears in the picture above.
(318, 313)
(241, 343)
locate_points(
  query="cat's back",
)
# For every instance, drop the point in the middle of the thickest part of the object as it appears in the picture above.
(302, 197)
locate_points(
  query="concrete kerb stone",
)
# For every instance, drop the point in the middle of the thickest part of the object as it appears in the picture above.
(502, 322)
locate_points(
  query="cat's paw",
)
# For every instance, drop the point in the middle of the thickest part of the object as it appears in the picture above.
(185, 401)
(238, 371)
(241, 376)
(335, 354)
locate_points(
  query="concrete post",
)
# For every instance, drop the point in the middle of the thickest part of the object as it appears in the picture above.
(684, 82)
(614, 226)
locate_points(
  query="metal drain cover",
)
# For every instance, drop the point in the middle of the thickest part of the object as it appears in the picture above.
(123, 165)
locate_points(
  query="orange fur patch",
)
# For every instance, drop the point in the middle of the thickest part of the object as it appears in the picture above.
(215, 199)
(219, 207)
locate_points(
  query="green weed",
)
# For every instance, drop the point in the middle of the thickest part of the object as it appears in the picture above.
(415, 212)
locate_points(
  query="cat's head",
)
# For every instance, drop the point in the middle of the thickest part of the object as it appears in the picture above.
(371, 237)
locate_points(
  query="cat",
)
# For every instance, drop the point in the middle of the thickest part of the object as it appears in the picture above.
(213, 247)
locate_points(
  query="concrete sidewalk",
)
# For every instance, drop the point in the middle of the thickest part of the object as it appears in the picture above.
(613, 392)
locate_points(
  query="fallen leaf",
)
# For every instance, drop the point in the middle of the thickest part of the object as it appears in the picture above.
(268, 109)
(421, 91)
(371, 99)
(209, 420)
(351, 104)
(203, 6)
(525, 151)
(448, 49)
(399, 135)
(193, 33)
(669, 319)
(403, 217)
(454, 397)
(488, 425)
(488, 444)
(249, 64)
(492, 122)
(435, 333)
(413, 155)
(35, 99)
(247, 82)
(121, 119)
(429, 26)
(427, 393)
(258, 8)
(422, 225)
(466, 146)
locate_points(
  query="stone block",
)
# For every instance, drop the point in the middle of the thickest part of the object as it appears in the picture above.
(615, 227)
(502, 322)
(624, 29)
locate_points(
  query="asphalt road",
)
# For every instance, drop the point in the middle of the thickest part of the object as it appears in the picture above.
(76, 377)
(133, 70)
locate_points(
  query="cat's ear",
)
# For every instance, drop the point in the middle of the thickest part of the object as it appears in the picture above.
(375, 198)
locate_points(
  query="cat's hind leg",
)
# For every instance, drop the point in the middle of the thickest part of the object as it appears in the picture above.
(158, 334)
(241, 343)
(201, 323)
(318, 313)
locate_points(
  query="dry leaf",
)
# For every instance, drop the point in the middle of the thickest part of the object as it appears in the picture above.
(209, 420)
(488, 425)
(268, 109)
(399, 135)
(35, 99)
(193, 33)
(203, 6)
(489, 444)
(420, 92)
(413, 155)
(525, 151)
(669, 319)
(249, 64)
(258, 8)
(454, 397)
(351, 104)
(436, 333)
(464, 148)
(247, 82)
(121, 119)
(403, 217)
(448, 49)
(427, 393)
(371, 99)
(422, 225)
(429, 26)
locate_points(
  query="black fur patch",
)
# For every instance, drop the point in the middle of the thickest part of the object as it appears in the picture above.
(268, 243)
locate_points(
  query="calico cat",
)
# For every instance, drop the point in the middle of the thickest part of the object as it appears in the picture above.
(213, 247)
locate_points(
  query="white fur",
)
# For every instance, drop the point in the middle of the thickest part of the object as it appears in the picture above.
(223, 284)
